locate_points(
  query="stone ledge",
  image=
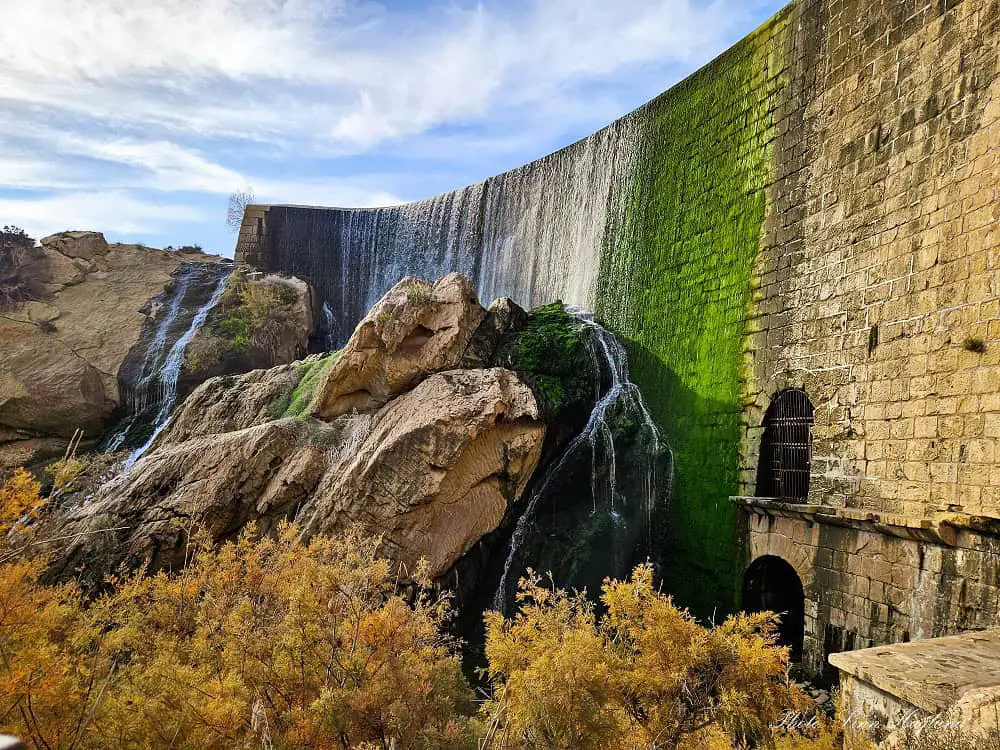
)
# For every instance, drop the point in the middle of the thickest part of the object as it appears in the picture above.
(931, 674)
(942, 528)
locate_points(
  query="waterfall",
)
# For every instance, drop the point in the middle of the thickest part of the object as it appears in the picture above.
(144, 377)
(138, 396)
(171, 370)
(534, 234)
(331, 339)
(619, 423)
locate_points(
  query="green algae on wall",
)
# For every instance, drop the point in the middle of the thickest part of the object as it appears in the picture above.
(675, 284)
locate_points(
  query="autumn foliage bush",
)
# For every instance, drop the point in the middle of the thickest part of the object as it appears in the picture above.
(279, 643)
(273, 643)
(644, 675)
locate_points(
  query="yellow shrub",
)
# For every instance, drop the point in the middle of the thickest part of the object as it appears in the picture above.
(20, 496)
(645, 675)
(273, 643)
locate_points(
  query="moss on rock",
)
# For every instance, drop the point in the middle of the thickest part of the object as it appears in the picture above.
(313, 372)
(550, 355)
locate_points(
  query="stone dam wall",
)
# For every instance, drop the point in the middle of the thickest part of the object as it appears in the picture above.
(817, 209)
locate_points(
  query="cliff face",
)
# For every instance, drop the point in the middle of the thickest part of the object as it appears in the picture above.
(62, 352)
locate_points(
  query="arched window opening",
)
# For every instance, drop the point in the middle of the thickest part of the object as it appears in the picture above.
(786, 448)
(770, 584)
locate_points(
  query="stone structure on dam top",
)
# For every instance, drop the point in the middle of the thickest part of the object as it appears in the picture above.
(800, 247)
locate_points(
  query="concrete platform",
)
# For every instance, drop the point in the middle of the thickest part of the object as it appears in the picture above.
(904, 681)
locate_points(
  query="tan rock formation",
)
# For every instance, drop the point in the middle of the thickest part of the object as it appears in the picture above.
(414, 330)
(439, 468)
(432, 471)
(276, 318)
(230, 403)
(84, 245)
(61, 355)
(217, 483)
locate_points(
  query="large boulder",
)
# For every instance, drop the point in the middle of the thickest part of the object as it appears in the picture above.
(260, 322)
(83, 245)
(416, 329)
(216, 484)
(439, 470)
(231, 402)
(432, 472)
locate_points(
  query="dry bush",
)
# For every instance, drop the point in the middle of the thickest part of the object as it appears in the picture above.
(270, 643)
(20, 498)
(645, 675)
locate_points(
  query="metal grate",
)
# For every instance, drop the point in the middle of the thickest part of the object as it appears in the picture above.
(786, 448)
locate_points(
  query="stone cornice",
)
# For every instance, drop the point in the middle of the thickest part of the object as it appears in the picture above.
(941, 528)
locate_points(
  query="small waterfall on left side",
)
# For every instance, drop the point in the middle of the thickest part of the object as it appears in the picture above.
(171, 371)
(622, 462)
(328, 320)
(148, 378)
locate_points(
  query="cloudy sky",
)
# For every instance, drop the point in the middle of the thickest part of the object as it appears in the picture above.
(140, 117)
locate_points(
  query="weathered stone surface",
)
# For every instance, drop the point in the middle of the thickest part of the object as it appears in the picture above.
(433, 472)
(218, 483)
(61, 355)
(503, 316)
(259, 323)
(230, 403)
(85, 245)
(439, 468)
(414, 330)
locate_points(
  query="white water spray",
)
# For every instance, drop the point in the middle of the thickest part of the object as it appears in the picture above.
(609, 357)
(170, 373)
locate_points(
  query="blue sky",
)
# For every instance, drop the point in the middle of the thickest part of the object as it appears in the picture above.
(138, 118)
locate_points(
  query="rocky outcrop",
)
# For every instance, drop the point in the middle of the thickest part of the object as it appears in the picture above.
(218, 483)
(503, 317)
(83, 245)
(260, 322)
(431, 470)
(230, 403)
(414, 330)
(62, 351)
(439, 469)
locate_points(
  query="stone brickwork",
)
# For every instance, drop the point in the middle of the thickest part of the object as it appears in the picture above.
(879, 295)
(881, 256)
(874, 578)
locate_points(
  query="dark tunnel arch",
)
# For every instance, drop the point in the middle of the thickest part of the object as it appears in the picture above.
(771, 584)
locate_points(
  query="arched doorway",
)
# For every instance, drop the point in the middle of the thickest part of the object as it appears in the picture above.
(786, 448)
(771, 584)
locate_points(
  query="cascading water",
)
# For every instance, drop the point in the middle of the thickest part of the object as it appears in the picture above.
(331, 339)
(171, 370)
(139, 395)
(625, 496)
(534, 234)
(149, 377)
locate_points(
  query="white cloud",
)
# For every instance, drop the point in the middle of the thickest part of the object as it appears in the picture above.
(349, 73)
(134, 116)
(110, 211)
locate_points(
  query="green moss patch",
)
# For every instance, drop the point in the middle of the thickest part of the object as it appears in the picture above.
(676, 285)
(313, 373)
(550, 355)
